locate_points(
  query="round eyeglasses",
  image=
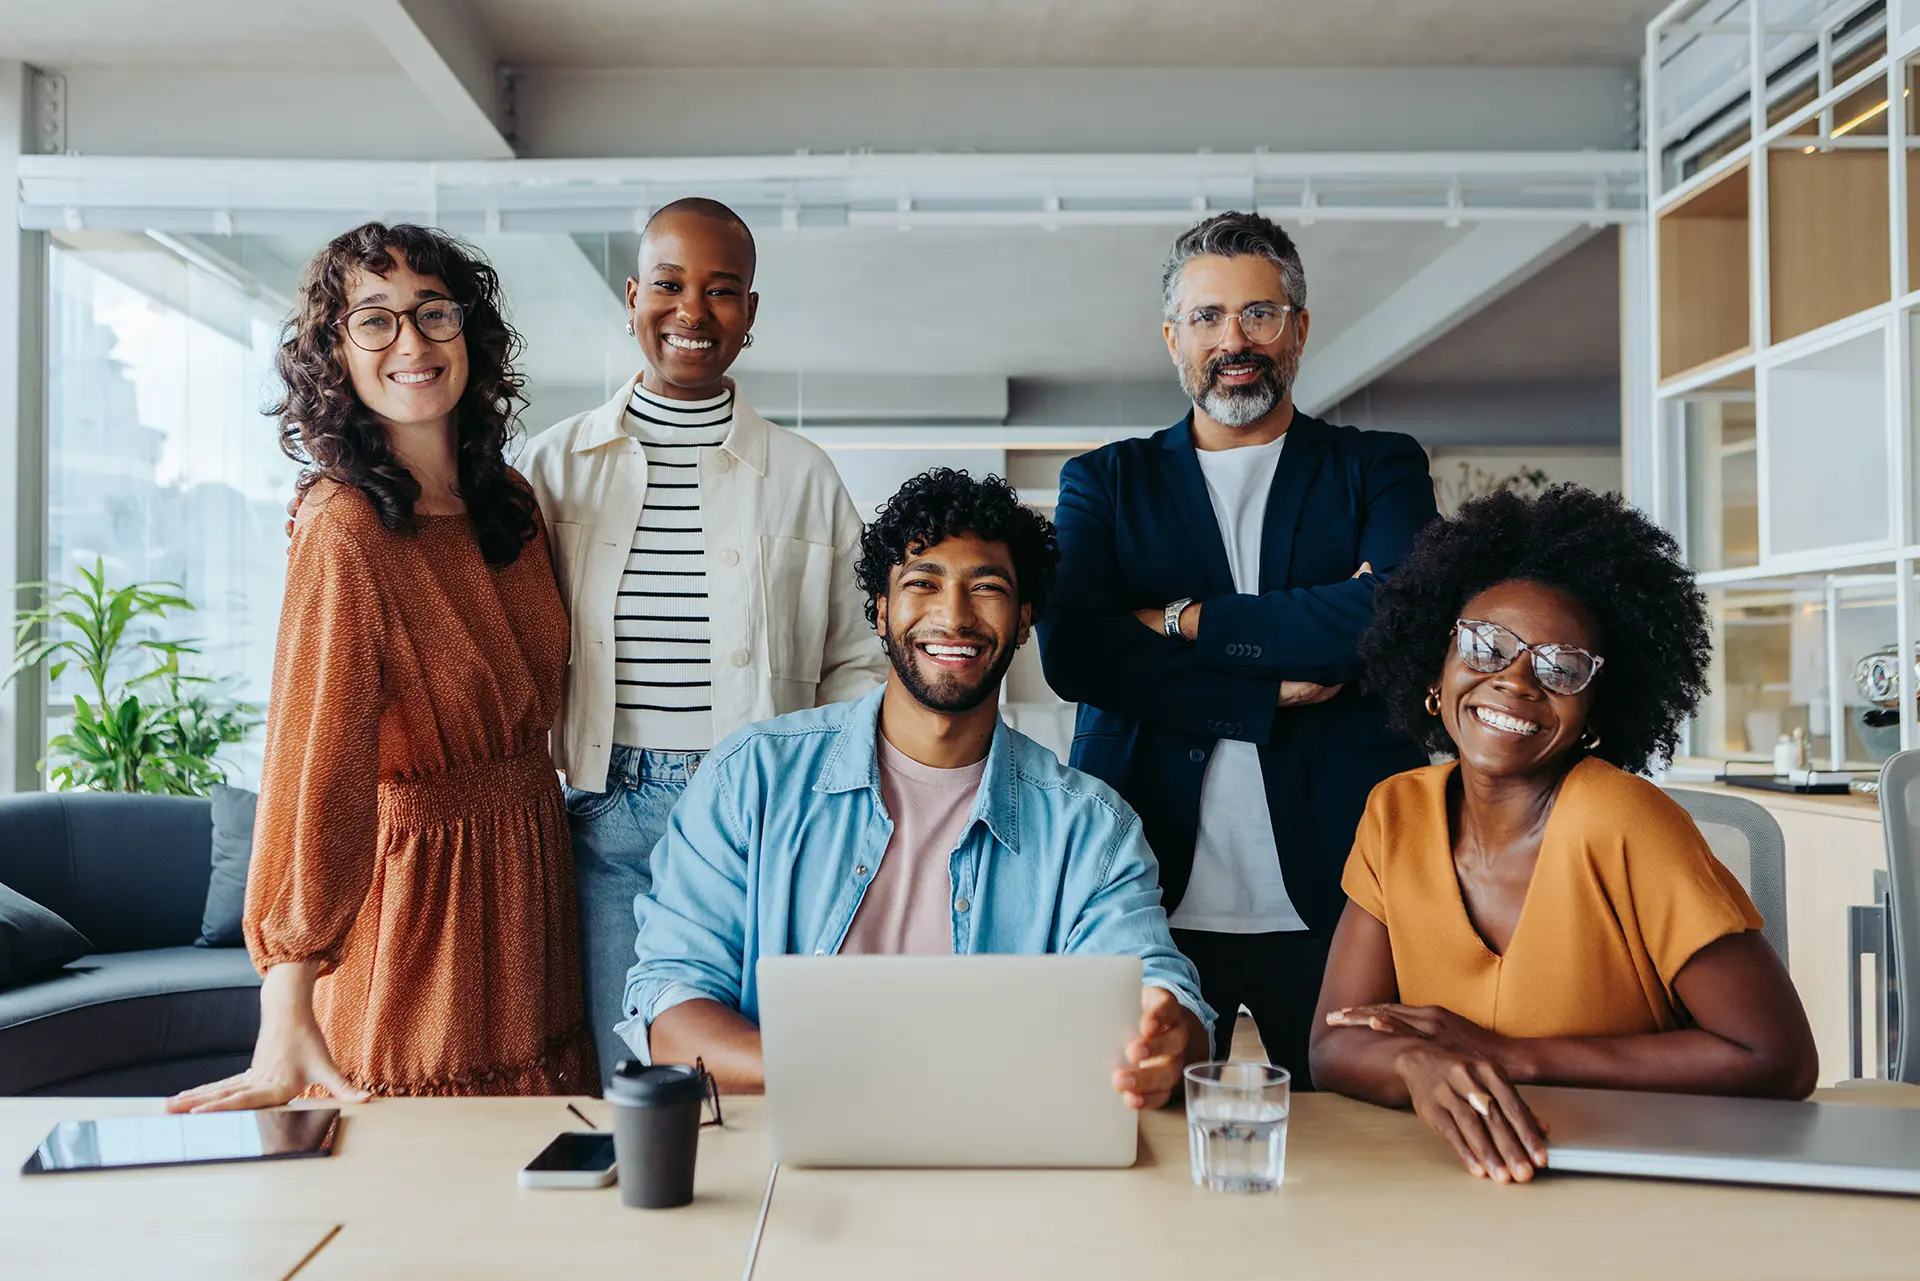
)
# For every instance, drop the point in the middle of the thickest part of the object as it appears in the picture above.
(375, 328)
(1489, 648)
(1262, 322)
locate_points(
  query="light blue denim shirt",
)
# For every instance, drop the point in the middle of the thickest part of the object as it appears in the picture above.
(783, 828)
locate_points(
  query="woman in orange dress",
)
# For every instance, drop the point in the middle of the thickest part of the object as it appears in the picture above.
(1534, 912)
(411, 899)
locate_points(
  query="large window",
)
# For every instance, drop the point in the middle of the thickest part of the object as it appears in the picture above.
(160, 461)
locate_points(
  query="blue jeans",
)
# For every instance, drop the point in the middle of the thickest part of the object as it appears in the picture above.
(614, 833)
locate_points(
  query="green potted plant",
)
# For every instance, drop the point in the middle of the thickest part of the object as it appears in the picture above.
(167, 742)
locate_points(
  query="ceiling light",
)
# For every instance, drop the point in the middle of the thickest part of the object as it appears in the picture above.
(1860, 119)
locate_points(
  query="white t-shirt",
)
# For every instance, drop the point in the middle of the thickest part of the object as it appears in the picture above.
(1236, 886)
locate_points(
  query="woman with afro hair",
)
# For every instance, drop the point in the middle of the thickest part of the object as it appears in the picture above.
(1532, 911)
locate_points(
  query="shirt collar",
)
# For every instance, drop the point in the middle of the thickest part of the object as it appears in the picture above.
(747, 440)
(853, 763)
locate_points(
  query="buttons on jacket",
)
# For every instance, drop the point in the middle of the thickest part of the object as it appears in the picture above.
(1197, 755)
(1230, 729)
(723, 463)
(861, 870)
(739, 658)
(1243, 651)
(728, 557)
(962, 906)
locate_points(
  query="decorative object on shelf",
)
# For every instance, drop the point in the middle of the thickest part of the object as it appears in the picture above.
(1877, 678)
(1477, 482)
(117, 742)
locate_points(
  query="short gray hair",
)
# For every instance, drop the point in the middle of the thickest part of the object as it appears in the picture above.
(1234, 235)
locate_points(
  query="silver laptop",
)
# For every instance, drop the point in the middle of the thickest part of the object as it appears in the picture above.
(949, 1060)
(1851, 1146)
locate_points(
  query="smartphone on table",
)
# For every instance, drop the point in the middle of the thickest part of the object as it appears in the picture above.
(576, 1159)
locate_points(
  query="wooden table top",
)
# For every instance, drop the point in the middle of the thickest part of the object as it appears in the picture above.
(1369, 1193)
(426, 1188)
(417, 1188)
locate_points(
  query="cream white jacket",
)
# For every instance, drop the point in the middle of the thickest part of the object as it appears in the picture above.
(789, 624)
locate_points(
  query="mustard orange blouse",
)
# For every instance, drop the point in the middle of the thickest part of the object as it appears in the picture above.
(1624, 894)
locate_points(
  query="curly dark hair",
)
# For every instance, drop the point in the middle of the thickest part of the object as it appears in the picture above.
(324, 426)
(1622, 567)
(936, 505)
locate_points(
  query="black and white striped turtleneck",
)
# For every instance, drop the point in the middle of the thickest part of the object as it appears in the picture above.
(663, 690)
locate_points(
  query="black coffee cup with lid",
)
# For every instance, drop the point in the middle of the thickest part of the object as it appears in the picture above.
(656, 1132)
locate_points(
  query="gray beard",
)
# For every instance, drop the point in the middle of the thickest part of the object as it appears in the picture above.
(1237, 407)
(1240, 406)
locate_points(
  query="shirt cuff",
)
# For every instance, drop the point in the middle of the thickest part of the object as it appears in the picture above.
(634, 1030)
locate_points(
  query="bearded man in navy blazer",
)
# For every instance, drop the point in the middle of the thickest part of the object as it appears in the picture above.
(1214, 581)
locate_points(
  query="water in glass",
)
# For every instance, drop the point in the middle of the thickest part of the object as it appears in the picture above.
(1237, 1125)
(1238, 1146)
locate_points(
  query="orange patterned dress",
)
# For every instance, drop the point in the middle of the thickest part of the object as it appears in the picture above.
(411, 835)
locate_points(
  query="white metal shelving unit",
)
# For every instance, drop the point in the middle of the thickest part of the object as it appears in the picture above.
(1785, 325)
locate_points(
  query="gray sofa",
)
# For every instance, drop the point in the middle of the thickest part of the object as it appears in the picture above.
(147, 1012)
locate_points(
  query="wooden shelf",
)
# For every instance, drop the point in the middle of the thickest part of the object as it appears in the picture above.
(1706, 311)
(1828, 242)
(1739, 380)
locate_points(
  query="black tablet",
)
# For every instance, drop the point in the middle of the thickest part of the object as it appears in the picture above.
(193, 1139)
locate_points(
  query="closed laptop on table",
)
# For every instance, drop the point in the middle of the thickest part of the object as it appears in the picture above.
(949, 1060)
(1847, 1146)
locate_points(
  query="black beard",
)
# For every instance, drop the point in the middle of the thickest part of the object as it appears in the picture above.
(946, 694)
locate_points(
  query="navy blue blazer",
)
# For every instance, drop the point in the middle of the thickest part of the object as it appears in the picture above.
(1137, 530)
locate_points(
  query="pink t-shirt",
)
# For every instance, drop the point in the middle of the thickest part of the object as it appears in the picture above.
(908, 908)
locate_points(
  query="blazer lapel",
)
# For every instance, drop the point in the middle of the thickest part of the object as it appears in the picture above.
(1189, 489)
(1299, 464)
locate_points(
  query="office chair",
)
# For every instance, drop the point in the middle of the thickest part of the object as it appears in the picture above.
(1900, 817)
(1747, 841)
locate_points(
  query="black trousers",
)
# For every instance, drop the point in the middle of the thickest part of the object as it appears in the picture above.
(1276, 976)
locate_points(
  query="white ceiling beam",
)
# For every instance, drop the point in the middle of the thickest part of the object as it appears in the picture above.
(1483, 264)
(447, 54)
(950, 189)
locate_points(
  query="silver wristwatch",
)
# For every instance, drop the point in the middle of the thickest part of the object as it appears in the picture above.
(1172, 623)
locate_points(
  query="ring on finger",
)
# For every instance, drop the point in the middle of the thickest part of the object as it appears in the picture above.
(1481, 1103)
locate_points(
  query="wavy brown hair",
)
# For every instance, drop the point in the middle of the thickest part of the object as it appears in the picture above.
(324, 427)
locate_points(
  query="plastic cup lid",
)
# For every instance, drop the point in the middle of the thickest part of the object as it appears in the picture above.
(661, 1085)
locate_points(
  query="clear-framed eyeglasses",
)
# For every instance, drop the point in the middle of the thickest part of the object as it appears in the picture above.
(374, 328)
(1261, 323)
(1489, 647)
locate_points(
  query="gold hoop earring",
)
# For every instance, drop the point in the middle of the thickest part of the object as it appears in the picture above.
(630, 326)
(1589, 739)
(1433, 702)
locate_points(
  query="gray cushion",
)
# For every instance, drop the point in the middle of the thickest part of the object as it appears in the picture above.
(109, 1012)
(34, 940)
(232, 849)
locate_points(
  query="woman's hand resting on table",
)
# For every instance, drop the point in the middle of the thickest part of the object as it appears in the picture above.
(290, 1055)
(1459, 1078)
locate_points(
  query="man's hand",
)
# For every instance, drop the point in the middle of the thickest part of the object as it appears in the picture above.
(1156, 619)
(1441, 1026)
(1159, 1054)
(1306, 693)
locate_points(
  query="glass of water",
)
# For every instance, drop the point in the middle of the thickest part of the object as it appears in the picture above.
(1237, 1125)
